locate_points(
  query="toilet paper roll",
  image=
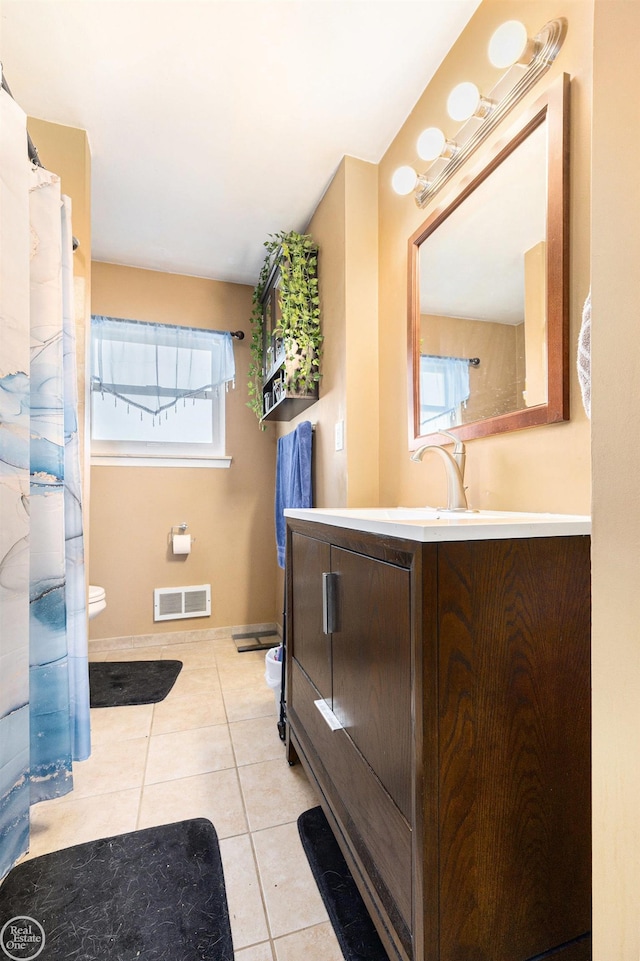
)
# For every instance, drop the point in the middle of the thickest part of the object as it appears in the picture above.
(181, 543)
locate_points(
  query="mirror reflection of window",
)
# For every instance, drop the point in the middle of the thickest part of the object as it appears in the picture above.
(444, 390)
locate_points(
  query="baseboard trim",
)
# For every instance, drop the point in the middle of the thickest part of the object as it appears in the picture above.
(166, 638)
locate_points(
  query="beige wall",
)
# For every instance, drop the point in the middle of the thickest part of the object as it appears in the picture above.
(345, 227)
(616, 469)
(229, 511)
(543, 468)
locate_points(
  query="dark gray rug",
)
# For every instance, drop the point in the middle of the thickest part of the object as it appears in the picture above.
(151, 895)
(123, 683)
(351, 922)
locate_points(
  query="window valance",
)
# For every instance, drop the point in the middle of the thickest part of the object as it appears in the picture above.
(151, 367)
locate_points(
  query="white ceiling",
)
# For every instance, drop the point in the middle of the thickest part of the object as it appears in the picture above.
(214, 123)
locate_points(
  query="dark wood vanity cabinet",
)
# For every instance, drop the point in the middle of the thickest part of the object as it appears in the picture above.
(438, 696)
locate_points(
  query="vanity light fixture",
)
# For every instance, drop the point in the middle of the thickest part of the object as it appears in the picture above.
(510, 44)
(432, 143)
(405, 179)
(525, 60)
(465, 101)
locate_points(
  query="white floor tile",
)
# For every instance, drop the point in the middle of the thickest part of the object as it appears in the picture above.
(291, 895)
(318, 943)
(258, 952)
(112, 766)
(188, 712)
(57, 826)
(256, 739)
(248, 923)
(210, 749)
(110, 724)
(215, 796)
(275, 793)
(185, 753)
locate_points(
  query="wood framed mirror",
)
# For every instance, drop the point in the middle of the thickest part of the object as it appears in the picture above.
(489, 290)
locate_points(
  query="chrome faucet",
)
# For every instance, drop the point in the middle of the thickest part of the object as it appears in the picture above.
(454, 464)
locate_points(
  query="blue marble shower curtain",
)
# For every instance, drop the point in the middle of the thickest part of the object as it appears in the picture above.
(76, 597)
(44, 697)
(50, 736)
(14, 485)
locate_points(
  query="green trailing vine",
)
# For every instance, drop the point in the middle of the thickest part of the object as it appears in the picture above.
(256, 345)
(299, 322)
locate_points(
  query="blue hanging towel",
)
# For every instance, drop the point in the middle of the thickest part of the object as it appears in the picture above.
(293, 478)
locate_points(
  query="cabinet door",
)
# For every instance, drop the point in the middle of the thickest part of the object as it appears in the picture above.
(309, 645)
(371, 651)
(514, 726)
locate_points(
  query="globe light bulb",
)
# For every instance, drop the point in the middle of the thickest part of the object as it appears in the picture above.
(463, 101)
(404, 180)
(431, 143)
(509, 43)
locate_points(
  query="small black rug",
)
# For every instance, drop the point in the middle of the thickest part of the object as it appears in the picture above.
(151, 895)
(351, 922)
(122, 683)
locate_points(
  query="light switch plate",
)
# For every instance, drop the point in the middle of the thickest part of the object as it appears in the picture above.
(340, 435)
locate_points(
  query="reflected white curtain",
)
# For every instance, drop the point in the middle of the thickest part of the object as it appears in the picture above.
(444, 387)
(44, 693)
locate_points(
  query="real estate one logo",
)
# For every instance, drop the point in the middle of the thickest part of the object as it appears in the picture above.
(22, 937)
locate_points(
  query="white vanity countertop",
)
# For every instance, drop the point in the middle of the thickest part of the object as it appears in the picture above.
(431, 524)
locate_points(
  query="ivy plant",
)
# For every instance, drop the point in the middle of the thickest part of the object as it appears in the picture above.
(299, 321)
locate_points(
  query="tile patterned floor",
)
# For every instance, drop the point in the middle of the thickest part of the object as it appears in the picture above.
(211, 749)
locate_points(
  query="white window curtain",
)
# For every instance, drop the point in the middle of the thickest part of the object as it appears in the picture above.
(444, 387)
(151, 367)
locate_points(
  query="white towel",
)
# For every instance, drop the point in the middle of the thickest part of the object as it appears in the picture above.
(584, 356)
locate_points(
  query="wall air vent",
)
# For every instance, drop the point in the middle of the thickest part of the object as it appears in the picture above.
(172, 603)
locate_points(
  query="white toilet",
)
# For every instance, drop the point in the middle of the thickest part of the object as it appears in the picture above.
(97, 600)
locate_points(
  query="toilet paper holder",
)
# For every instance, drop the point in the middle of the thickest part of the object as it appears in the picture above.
(180, 529)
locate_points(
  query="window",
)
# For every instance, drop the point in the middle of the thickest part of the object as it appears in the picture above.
(158, 392)
(444, 388)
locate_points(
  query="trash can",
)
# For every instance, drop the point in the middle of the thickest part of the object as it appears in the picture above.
(273, 671)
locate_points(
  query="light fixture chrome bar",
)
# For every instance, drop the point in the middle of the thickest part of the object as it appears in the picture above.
(505, 94)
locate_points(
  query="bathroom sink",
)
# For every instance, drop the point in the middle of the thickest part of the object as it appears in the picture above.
(423, 514)
(395, 513)
(439, 524)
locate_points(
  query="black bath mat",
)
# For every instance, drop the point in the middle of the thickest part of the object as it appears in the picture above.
(151, 895)
(354, 928)
(122, 683)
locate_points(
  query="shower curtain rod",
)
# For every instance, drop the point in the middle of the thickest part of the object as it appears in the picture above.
(31, 147)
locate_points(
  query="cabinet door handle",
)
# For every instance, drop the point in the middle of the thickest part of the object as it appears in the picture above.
(329, 603)
(328, 715)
